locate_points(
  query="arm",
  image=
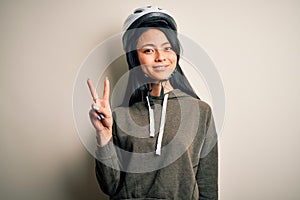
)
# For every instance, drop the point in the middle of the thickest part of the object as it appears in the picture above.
(207, 173)
(107, 168)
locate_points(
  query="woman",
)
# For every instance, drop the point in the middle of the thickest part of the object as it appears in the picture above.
(161, 142)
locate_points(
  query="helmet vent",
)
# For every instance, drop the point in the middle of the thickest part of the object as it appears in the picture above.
(138, 11)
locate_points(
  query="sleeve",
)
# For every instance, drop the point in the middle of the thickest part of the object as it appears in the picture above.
(107, 168)
(207, 172)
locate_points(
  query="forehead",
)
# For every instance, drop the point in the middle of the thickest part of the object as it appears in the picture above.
(152, 36)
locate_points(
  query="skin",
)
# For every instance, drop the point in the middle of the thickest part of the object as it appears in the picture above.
(157, 58)
(104, 126)
(158, 61)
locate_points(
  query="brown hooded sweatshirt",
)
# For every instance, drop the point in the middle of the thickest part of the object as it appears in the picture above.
(128, 167)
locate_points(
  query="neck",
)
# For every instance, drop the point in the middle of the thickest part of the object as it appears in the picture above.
(156, 88)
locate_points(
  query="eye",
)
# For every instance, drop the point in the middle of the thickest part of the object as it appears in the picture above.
(147, 50)
(168, 48)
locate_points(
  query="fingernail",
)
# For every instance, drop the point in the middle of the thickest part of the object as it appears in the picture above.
(100, 116)
(96, 108)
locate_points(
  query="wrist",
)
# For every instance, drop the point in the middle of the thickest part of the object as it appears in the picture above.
(102, 138)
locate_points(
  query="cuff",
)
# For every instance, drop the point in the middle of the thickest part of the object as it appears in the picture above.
(106, 152)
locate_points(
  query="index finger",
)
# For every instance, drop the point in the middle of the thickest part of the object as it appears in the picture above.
(92, 90)
(106, 89)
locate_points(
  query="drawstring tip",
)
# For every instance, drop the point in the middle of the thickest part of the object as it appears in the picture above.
(158, 149)
(158, 152)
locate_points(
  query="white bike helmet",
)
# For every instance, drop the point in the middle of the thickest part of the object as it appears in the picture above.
(141, 20)
(148, 14)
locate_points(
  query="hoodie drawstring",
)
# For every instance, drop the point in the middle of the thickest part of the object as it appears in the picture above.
(162, 122)
(151, 117)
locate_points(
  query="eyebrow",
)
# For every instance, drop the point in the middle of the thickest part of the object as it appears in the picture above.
(152, 45)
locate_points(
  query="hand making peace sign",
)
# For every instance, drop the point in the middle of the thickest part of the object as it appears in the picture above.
(100, 114)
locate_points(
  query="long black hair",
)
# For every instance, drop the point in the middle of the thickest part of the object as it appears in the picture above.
(137, 88)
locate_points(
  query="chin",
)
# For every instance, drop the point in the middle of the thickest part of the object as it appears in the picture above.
(160, 78)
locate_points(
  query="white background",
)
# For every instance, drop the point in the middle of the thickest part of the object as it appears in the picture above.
(254, 44)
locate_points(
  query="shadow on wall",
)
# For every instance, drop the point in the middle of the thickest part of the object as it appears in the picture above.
(80, 180)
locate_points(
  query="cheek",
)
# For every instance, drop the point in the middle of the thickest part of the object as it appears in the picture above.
(144, 69)
(173, 58)
(143, 62)
(142, 58)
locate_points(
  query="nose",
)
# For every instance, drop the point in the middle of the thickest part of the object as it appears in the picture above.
(160, 56)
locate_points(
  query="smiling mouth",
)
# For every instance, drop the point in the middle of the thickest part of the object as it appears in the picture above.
(160, 67)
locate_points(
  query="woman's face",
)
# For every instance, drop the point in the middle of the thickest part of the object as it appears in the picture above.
(156, 56)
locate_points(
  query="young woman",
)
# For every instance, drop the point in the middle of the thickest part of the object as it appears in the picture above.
(161, 142)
